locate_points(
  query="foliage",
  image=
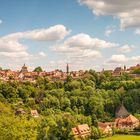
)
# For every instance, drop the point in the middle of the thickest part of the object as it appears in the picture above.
(137, 71)
(38, 69)
(123, 137)
(64, 104)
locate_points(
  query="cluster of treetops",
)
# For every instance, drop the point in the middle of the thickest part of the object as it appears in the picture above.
(64, 104)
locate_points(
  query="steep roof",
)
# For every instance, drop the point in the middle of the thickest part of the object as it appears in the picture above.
(118, 69)
(121, 112)
(84, 128)
(81, 130)
(131, 119)
(75, 131)
(105, 124)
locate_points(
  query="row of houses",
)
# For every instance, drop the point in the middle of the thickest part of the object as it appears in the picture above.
(106, 128)
(25, 75)
(118, 71)
(123, 121)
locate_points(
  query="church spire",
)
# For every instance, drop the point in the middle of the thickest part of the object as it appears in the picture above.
(124, 67)
(67, 68)
(24, 69)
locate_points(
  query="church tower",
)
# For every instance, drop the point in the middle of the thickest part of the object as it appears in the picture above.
(67, 69)
(24, 69)
(124, 68)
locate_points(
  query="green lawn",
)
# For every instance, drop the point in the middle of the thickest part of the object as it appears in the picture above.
(123, 137)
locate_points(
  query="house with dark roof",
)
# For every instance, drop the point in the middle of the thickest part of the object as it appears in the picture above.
(20, 111)
(121, 112)
(124, 120)
(118, 71)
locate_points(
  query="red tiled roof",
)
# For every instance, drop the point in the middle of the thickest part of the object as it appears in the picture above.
(105, 124)
(131, 119)
(75, 131)
(81, 130)
(128, 120)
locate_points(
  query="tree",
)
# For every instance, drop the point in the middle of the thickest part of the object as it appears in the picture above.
(95, 103)
(137, 71)
(16, 127)
(65, 102)
(38, 69)
(72, 85)
(95, 134)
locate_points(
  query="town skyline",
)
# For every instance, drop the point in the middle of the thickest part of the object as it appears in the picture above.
(86, 34)
(24, 74)
(68, 68)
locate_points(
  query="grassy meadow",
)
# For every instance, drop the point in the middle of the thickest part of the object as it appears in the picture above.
(123, 137)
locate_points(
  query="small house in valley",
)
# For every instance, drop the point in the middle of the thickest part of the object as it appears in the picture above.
(81, 131)
(20, 111)
(34, 113)
(106, 128)
(129, 122)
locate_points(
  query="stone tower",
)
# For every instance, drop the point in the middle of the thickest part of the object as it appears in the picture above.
(24, 69)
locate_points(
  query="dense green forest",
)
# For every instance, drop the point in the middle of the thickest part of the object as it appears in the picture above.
(64, 104)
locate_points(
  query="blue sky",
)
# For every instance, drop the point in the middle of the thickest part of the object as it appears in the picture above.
(84, 33)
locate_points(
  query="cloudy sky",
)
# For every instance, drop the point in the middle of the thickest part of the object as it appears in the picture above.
(87, 34)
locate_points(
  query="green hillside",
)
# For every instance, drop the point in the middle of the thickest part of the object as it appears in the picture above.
(62, 105)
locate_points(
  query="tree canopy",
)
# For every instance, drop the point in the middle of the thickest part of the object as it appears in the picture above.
(64, 104)
(38, 69)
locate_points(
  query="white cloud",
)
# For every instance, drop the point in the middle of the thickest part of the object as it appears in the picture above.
(135, 58)
(88, 54)
(137, 32)
(76, 52)
(81, 49)
(64, 48)
(11, 47)
(42, 54)
(0, 21)
(56, 32)
(127, 11)
(82, 45)
(110, 30)
(14, 54)
(13, 51)
(117, 59)
(126, 48)
(53, 33)
(85, 41)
